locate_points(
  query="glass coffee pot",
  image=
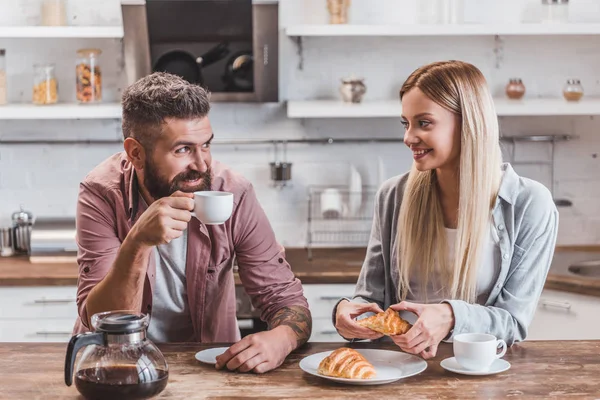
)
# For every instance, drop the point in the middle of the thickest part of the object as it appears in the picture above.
(119, 361)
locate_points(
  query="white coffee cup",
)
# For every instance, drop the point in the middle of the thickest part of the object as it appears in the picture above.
(331, 203)
(213, 208)
(477, 351)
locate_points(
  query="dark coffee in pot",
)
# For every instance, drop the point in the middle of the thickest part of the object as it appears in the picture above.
(121, 382)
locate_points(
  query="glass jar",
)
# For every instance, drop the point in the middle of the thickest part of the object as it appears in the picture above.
(2, 77)
(89, 76)
(54, 12)
(555, 11)
(515, 89)
(573, 91)
(45, 86)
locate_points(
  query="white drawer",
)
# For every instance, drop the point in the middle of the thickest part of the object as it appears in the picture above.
(565, 316)
(322, 298)
(45, 302)
(36, 330)
(324, 331)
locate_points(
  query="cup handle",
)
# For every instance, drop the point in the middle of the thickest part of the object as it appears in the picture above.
(500, 344)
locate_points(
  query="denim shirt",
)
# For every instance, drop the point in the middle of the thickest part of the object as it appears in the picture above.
(526, 220)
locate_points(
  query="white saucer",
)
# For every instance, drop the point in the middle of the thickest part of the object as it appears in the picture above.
(390, 366)
(497, 366)
(209, 356)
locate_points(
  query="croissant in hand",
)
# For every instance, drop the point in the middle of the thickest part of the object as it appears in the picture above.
(388, 322)
(346, 363)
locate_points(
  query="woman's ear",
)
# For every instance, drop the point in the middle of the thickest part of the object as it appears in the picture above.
(135, 153)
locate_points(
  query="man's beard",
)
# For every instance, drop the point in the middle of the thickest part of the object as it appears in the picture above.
(158, 187)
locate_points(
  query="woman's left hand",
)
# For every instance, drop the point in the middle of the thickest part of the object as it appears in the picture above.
(433, 325)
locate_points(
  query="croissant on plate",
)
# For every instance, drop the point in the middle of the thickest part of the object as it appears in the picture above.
(388, 322)
(346, 363)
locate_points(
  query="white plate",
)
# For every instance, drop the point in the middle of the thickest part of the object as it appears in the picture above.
(452, 365)
(209, 356)
(390, 366)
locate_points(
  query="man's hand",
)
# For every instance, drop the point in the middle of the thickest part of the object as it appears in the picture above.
(164, 220)
(259, 352)
(289, 328)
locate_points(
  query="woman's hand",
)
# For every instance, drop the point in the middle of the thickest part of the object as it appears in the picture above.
(433, 325)
(346, 324)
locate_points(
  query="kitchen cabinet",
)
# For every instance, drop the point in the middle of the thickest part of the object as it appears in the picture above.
(321, 299)
(565, 316)
(37, 314)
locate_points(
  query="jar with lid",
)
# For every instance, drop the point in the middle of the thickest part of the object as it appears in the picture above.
(573, 90)
(338, 11)
(555, 11)
(2, 77)
(22, 222)
(515, 89)
(352, 89)
(54, 12)
(45, 86)
(88, 76)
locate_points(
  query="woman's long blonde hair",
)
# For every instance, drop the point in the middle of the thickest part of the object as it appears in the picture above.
(461, 88)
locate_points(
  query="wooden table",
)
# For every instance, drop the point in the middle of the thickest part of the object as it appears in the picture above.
(543, 370)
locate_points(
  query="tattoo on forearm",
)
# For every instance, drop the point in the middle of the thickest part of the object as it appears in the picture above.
(296, 317)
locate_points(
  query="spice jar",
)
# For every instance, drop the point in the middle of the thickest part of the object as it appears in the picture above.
(2, 77)
(45, 86)
(573, 91)
(515, 89)
(338, 11)
(54, 13)
(555, 11)
(89, 77)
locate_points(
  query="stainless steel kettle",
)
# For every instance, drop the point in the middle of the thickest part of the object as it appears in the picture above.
(22, 222)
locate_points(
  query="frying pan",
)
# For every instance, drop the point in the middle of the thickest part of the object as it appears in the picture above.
(189, 67)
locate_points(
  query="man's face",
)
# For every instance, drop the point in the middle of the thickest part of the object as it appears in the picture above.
(180, 159)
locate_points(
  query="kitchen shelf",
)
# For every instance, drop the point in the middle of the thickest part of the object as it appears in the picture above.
(53, 32)
(61, 111)
(443, 29)
(393, 109)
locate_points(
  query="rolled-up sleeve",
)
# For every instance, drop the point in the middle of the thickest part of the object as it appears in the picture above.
(97, 243)
(508, 318)
(264, 271)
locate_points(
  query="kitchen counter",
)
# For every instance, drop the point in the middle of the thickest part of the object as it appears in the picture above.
(340, 265)
(539, 370)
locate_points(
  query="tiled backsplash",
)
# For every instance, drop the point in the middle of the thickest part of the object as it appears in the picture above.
(44, 178)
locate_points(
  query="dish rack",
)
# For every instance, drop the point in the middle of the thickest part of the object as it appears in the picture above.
(350, 227)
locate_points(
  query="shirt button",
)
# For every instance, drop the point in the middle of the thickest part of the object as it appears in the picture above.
(86, 269)
(505, 256)
(148, 307)
(280, 261)
(500, 227)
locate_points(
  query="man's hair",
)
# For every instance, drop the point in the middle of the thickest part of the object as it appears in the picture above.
(156, 97)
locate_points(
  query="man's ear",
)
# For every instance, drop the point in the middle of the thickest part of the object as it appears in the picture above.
(135, 153)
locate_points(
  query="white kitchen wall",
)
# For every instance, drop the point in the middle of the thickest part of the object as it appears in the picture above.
(44, 178)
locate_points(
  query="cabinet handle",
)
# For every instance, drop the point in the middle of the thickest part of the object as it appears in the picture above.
(54, 301)
(328, 333)
(48, 333)
(565, 305)
(330, 298)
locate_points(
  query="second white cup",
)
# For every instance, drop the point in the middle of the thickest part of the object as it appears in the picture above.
(213, 208)
(477, 351)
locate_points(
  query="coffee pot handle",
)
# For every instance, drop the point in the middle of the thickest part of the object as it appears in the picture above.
(75, 344)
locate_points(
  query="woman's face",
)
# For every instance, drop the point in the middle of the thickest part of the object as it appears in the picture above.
(432, 132)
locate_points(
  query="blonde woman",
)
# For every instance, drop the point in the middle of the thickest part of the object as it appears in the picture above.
(461, 240)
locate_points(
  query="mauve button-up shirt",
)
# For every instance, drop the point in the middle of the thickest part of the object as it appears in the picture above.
(108, 206)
